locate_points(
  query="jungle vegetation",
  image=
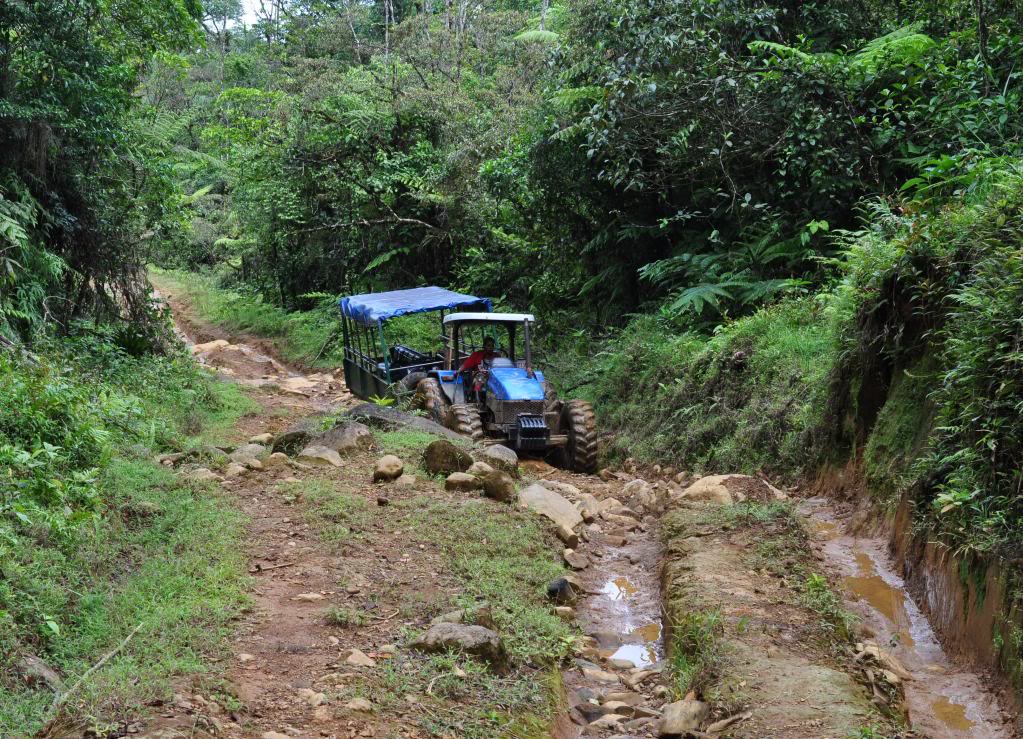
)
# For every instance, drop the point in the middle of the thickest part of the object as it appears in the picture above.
(760, 234)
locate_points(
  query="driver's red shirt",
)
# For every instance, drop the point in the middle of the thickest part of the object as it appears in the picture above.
(474, 360)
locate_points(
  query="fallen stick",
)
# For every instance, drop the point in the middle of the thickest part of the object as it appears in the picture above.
(260, 568)
(63, 697)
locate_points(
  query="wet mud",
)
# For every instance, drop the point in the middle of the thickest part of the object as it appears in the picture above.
(943, 699)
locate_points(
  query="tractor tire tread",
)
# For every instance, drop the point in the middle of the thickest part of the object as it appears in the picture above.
(430, 398)
(582, 428)
(465, 420)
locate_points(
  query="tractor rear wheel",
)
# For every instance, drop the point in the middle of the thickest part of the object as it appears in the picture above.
(465, 419)
(430, 398)
(579, 422)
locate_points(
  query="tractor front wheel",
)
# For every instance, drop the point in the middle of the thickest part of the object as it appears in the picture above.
(465, 419)
(579, 422)
(430, 398)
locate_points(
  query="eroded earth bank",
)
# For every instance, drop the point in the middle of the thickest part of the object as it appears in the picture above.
(407, 585)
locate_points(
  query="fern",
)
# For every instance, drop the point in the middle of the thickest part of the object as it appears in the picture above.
(538, 36)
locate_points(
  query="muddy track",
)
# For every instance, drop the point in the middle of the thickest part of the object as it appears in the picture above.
(289, 664)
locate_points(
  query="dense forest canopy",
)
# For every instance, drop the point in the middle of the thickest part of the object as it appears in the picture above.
(689, 156)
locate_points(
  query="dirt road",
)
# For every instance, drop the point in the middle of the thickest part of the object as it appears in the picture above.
(345, 572)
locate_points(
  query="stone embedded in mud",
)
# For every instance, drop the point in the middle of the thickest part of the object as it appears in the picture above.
(598, 675)
(608, 721)
(546, 502)
(277, 459)
(321, 455)
(478, 641)
(262, 439)
(561, 591)
(565, 613)
(210, 346)
(234, 469)
(441, 457)
(626, 697)
(360, 705)
(682, 717)
(500, 458)
(201, 474)
(575, 560)
(462, 481)
(480, 470)
(406, 481)
(562, 488)
(619, 707)
(358, 658)
(311, 697)
(388, 468)
(500, 486)
(274, 735)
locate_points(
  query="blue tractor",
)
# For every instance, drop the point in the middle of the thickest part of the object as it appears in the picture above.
(503, 399)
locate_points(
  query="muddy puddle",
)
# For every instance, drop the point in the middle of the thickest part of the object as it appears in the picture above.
(943, 700)
(623, 611)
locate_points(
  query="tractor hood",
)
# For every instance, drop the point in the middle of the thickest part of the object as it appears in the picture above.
(512, 383)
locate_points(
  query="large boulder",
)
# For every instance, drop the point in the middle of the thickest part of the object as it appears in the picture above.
(388, 418)
(710, 489)
(388, 468)
(346, 438)
(441, 457)
(316, 454)
(727, 489)
(546, 502)
(500, 458)
(37, 673)
(499, 486)
(296, 438)
(245, 452)
(478, 641)
(682, 717)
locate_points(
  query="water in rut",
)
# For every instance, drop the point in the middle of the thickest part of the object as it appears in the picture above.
(944, 700)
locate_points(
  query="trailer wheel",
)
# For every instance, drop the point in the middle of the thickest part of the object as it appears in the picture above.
(430, 398)
(578, 420)
(465, 419)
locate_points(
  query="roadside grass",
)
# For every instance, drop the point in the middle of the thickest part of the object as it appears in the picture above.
(308, 338)
(496, 556)
(408, 445)
(337, 516)
(750, 397)
(96, 540)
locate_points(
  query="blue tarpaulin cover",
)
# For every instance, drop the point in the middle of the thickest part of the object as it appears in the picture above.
(376, 307)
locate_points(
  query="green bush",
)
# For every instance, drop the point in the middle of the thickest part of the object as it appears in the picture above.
(94, 538)
(750, 397)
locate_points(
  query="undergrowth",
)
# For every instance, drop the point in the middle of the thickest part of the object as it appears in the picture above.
(96, 540)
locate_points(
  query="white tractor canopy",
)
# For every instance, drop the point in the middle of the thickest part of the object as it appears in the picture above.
(489, 318)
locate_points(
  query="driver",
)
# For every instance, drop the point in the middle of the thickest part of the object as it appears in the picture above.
(486, 354)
